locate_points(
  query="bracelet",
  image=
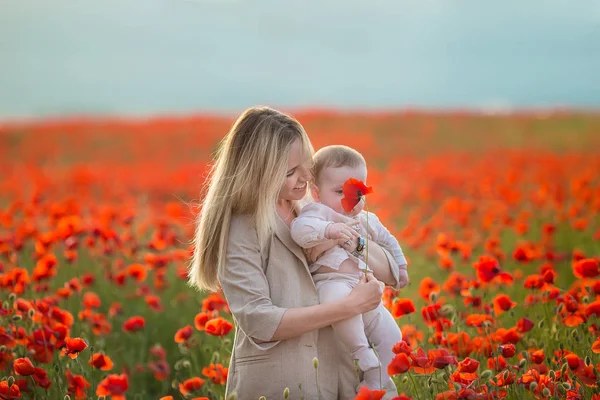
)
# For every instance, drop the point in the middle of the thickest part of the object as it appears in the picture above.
(359, 248)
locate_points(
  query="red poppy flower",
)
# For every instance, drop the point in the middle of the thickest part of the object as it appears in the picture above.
(586, 268)
(399, 365)
(367, 394)
(402, 347)
(160, 369)
(216, 373)
(353, 190)
(596, 346)
(508, 350)
(134, 324)
(183, 334)
(74, 346)
(101, 361)
(218, 327)
(77, 385)
(503, 302)
(488, 270)
(402, 307)
(23, 366)
(40, 377)
(524, 325)
(12, 392)
(191, 385)
(201, 319)
(468, 365)
(113, 385)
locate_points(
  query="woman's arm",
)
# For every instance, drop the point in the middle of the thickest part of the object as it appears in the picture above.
(297, 321)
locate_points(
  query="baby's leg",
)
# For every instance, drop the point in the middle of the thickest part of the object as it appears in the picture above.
(383, 332)
(351, 331)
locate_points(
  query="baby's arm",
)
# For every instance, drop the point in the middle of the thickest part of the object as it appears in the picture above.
(384, 238)
(309, 231)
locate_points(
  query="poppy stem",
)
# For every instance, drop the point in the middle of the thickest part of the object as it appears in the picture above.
(367, 238)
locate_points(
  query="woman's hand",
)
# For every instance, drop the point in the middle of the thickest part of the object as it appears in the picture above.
(366, 295)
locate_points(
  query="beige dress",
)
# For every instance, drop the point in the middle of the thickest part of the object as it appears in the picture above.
(259, 287)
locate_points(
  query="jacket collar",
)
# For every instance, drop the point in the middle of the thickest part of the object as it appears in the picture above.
(282, 231)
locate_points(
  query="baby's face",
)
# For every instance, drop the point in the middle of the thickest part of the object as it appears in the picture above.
(329, 188)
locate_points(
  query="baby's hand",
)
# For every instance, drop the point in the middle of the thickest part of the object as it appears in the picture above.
(341, 231)
(403, 277)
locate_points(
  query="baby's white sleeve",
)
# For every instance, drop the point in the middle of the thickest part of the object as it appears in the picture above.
(384, 238)
(309, 231)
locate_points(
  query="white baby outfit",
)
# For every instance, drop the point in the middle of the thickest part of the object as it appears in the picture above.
(376, 327)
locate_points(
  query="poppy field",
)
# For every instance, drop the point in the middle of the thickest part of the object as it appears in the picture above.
(498, 216)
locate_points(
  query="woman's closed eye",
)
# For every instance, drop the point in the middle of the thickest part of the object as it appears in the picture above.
(291, 172)
(339, 191)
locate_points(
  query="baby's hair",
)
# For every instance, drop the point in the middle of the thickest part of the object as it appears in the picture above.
(335, 156)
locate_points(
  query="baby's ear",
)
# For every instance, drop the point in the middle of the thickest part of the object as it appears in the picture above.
(314, 191)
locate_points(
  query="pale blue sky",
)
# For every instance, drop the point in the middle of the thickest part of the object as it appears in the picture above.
(150, 56)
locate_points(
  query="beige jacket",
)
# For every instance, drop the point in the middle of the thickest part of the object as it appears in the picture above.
(259, 288)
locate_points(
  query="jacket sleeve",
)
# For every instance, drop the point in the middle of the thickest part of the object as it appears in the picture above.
(246, 287)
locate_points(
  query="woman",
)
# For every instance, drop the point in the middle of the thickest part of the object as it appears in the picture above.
(244, 247)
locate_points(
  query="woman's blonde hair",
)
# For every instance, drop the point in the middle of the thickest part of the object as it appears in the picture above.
(246, 177)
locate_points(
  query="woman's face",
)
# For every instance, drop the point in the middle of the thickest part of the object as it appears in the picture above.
(298, 174)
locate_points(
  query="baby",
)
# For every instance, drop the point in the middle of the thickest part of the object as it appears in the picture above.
(323, 227)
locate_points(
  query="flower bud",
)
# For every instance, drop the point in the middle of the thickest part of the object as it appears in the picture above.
(12, 297)
(433, 296)
(67, 397)
(561, 389)
(232, 396)
(533, 386)
(16, 318)
(286, 393)
(522, 363)
(585, 299)
(541, 324)
(546, 392)
(457, 386)
(316, 363)
(11, 381)
(561, 345)
(31, 313)
(552, 375)
(486, 374)
(588, 361)
(5, 305)
(262, 398)
(2, 349)
(525, 354)
(447, 309)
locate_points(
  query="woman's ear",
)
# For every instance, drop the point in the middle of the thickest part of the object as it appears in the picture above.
(314, 191)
